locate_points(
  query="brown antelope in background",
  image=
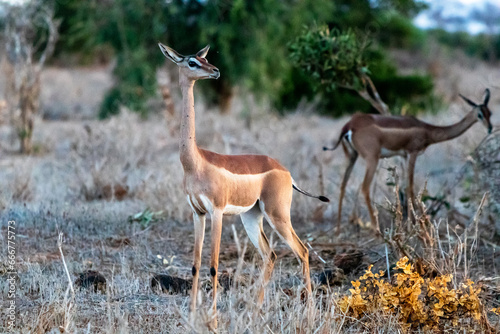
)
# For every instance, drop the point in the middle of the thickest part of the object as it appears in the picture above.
(376, 136)
(252, 186)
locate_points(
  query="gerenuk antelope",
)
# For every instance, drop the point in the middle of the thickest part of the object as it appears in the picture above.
(252, 186)
(376, 136)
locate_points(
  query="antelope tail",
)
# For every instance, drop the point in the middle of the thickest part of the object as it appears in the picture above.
(344, 131)
(321, 198)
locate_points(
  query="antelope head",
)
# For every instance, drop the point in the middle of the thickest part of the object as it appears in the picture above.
(483, 112)
(192, 67)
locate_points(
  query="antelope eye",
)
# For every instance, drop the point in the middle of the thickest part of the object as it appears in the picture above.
(480, 115)
(192, 64)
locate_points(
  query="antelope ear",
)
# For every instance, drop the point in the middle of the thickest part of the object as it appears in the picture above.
(203, 52)
(486, 96)
(472, 104)
(171, 54)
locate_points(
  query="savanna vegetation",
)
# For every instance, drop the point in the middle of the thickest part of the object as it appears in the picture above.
(103, 233)
(252, 39)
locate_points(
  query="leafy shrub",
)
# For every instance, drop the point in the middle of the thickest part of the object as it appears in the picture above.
(417, 302)
(330, 57)
(333, 59)
(136, 81)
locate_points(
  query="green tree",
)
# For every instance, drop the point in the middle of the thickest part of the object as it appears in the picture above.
(385, 24)
(335, 59)
(248, 39)
(132, 30)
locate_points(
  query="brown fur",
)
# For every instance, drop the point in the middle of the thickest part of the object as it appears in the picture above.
(242, 164)
(376, 136)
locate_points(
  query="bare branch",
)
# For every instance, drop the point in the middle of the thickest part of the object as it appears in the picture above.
(379, 105)
(369, 94)
(53, 26)
(374, 97)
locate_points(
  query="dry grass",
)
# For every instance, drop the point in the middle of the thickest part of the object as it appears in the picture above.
(90, 177)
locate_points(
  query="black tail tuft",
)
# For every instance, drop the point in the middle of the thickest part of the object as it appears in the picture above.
(323, 199)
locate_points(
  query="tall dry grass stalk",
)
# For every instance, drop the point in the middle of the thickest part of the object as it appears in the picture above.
(434, 243)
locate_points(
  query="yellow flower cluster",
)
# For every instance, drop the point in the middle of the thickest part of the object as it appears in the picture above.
(417, 302)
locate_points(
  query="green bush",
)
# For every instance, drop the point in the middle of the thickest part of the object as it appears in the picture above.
(333, 61)
(136, 82)
(248, 43)
(330, 57)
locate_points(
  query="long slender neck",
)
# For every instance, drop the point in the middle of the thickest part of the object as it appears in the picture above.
(444, 133)
(189, 153)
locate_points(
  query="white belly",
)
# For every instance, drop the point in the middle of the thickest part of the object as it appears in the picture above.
(385, 153)
(236, 210)
(208, 206)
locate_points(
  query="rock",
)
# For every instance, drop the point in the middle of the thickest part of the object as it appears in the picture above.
(330, 277)
(170, 284)
(349, 261)
(226, 280)
(91, 279)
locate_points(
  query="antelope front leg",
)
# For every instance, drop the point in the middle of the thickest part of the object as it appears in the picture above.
(199, 234)
(216, 229)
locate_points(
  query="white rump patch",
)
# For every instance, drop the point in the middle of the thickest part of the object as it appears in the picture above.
(348, 139)
(348, 135)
